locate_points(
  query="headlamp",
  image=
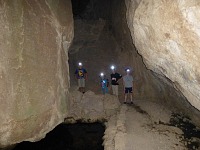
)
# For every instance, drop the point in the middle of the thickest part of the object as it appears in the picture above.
(101, 74)
(80, 64)
(112, 67)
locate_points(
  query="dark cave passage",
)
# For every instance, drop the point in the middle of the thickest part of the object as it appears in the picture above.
(95, 45)
(80, 136)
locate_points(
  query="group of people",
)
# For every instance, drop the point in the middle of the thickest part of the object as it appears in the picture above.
(81, 76)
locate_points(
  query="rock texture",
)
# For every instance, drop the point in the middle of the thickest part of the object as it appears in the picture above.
(146, 85)
(35, 36)
(131, 126)
(166, 34)
(90, 107)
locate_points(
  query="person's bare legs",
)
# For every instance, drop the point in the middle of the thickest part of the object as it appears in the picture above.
(80, 89)
(116, 90)
(125, 98)
(83, 89)
(81, 83)
(131, 96)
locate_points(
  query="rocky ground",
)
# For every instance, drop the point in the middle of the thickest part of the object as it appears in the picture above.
(149, 126)
(144, 125)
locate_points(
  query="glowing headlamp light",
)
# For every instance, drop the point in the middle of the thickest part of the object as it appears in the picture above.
(101, 74)
(80, 64)
(112, 67)
(127, 70)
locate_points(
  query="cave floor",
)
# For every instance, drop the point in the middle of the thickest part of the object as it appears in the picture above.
(148, 126)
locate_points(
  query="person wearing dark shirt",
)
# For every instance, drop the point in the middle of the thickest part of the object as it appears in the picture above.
(115, 77)
(81, 76)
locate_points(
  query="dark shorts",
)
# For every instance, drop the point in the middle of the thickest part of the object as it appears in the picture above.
(129, 90)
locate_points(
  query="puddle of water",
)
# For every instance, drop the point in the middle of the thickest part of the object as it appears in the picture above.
(191, 134)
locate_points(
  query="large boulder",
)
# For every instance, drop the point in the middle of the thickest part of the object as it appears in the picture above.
(34, 77)
(90, 107)
(166, 34)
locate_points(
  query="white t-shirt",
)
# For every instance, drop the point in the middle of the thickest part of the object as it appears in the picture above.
(128, 81)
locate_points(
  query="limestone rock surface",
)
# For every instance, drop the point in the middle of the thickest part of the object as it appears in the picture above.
(166, 34)
(35, 36)
(90, 107)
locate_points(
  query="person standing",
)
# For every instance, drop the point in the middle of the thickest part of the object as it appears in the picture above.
(104, 83)
(128, 86)
(115, 77)
(81, 76)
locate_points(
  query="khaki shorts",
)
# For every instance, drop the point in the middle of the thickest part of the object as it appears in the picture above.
(81, 82)
(115, 89)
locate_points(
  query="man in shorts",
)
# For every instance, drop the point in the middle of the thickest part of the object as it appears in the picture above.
(128, 86)
(81, 76)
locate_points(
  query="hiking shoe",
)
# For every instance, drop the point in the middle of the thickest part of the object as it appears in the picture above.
(131, 102)
(124, 102)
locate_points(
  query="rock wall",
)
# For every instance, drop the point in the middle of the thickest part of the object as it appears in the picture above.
(166, 34)
(34, 77)
(147, 85)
